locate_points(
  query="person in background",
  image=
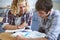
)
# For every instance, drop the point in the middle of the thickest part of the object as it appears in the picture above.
(18, 16)
(49, 21)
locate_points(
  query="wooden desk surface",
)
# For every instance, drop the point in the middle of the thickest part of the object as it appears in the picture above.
(6, 36)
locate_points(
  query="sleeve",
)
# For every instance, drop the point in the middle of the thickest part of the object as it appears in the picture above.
(54, 31)
(5, 20)
(4, 24)
(30, 20)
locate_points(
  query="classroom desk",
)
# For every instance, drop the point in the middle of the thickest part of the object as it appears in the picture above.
(7, 36)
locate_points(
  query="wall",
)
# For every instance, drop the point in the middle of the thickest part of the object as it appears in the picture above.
(5, 2)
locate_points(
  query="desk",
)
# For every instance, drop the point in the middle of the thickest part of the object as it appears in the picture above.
(6, 36)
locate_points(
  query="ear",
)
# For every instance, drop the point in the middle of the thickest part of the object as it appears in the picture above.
(48, 12)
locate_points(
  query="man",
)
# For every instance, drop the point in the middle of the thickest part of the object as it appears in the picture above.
(20, 20)
(49, 20)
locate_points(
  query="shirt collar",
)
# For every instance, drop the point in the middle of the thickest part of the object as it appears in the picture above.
(51, 14)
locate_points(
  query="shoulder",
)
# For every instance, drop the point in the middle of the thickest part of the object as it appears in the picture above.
(30, 13)
(10, 15)
(56, 17)
(55, 13)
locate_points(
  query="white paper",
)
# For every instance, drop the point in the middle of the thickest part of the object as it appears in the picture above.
(14, 30)
(30, 34)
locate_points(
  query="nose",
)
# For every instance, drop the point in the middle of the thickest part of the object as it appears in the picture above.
(21, 8)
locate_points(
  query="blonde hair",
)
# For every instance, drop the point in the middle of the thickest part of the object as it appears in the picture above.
(14, 7)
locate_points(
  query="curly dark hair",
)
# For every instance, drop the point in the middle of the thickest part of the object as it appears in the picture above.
(45, 5)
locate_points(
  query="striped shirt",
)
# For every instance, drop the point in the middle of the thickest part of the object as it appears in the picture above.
(51, 26)
(16, 20)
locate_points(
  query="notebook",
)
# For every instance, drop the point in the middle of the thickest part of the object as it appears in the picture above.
(29, 34)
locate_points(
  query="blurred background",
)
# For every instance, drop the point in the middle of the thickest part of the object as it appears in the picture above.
(4, 3)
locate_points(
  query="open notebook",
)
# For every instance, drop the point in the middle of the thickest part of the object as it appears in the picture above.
(29, 34)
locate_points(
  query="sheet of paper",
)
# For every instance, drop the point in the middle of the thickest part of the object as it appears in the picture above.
(36, 34)
(14, 30)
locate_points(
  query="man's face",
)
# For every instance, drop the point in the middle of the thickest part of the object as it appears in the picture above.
(22, 7)
(42, 14)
